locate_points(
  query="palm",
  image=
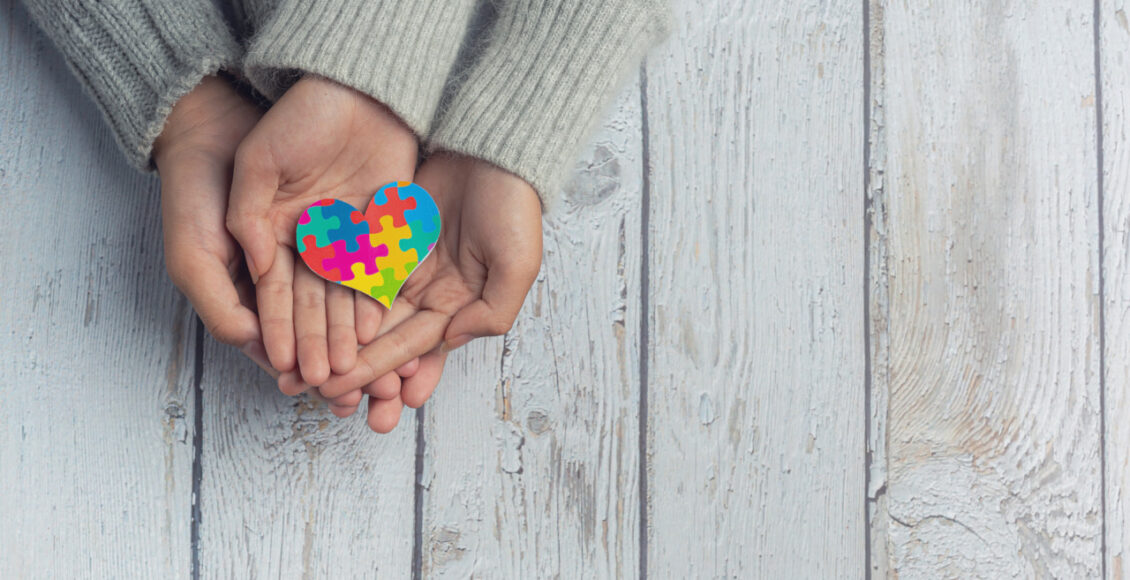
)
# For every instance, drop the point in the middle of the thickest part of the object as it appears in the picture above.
(328, 143)
(473, 282)
(454, 274)
(194, 156)
(320, 140)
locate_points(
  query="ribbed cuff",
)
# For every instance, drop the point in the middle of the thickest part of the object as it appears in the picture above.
(399, 53)
(137, 59)
(548, 71)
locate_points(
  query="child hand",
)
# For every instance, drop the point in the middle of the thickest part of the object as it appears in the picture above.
(320, 140)
(194, 156)
(472, 285)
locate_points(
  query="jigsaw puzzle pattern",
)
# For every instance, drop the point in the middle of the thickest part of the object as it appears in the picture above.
(374, 252)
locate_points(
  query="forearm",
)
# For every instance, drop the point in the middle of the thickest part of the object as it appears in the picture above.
(137, 59)
(549, 69)
(399, 53)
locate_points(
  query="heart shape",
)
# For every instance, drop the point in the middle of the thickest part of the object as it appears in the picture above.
(375, 252)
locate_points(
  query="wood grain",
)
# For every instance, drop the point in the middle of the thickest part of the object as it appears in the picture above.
(290, 491)
(878, 299)
(980, 417)
(992, 289)
(1114, 52)
(95, 378)
(531, 464)
(756, 394)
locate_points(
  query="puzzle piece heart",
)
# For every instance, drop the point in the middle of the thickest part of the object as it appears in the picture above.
(375, 252)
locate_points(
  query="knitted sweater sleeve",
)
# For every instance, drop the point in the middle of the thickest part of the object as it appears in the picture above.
(398, 52)
(137, 58)
(549, 68)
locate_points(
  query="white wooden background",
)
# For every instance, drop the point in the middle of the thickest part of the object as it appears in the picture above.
(841, 289)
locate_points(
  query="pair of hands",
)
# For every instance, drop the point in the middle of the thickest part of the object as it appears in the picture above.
(324, 140)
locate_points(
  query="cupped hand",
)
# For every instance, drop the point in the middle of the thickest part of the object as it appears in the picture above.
(194, 156)
(320, 140)
(472, 284)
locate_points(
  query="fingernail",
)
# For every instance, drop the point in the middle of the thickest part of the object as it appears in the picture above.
(251, 268)
(293, 378)
(456, 342)
(254, 350)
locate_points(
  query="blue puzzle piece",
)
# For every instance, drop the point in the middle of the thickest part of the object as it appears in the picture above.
(347, 229)
(425, 214)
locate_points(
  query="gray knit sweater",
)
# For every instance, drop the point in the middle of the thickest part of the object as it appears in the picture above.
(526, 102)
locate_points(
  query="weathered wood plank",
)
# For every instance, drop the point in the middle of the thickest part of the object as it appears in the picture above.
(290, 491)
(756, 395)
(531, 464)
(879, 346)
(95, 377)
(991, 288)
(1114, 52)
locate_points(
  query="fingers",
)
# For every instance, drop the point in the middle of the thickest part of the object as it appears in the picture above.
(493, 314)
(409, 368)
(340, 307)
(209, 287)
(341, 406)
(274, 293)
(254, 351)
(419, 334)
(369, 315)
(416, 389)
(346, 404)
(384, 414)
(290, 383)
(310, 327)
(386, 387)
(255, 181)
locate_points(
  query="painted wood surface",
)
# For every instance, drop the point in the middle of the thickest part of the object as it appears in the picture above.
(829, 277)
(991, 289)
(1114, 52)
(756, 363)
(290, 491)
(532, 442)
(95, 376)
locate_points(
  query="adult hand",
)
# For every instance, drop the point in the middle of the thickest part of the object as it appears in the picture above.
(320, 140)
(194, 156)
(472, 285)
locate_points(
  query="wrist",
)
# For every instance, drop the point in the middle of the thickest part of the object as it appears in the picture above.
(471, 167)
(363, 103)
(209, 119)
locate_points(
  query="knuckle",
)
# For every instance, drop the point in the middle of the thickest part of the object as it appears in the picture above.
(275, 290)
(312, 300)
(224, 332)
(340, 330)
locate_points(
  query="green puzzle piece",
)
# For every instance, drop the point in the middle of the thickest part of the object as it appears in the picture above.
(319, 227)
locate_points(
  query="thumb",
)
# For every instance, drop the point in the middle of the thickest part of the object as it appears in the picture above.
(255, 181)
(209, 287)
(493, 314)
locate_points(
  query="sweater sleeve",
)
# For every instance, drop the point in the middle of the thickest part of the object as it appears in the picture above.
(400, 53)
(549, 68)
(137, 58)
